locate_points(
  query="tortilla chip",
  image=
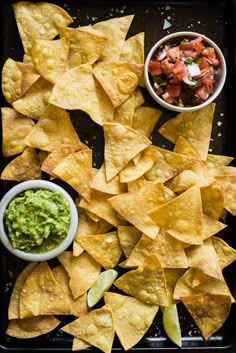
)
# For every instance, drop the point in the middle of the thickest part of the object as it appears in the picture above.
(17, 78)
(128, 237)
(53, 130)
(77, 249)
(15, 128)
(211, 226)
(118, 80)
(76, 90)
(145, 119)
(95, 328)
(125, 112)
(122, 143)
(14, 304)
(130, 316)
(168, 249)
(112, 187)
(82, 270)
(85, 47)
(42, 295)
(76, 170)
(79, 305)
(172, 275)
(104, 248)
(209, 311)
(212, 200)
(229, 191)
(38, 20)
(50, 57)
(214, 160)
(225, 253)
(24, 167)
(183, 147)
(32, 326)
(146, 283)
(134, 207)
(34, 102)
(195, 127)
(181, 216)
(79, 345)
(167, 165)
(138, 98)
(105, 105)
(115, 29)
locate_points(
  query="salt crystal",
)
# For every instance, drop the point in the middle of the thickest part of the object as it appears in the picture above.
(167, 24)
(168, 7)
(219, 123)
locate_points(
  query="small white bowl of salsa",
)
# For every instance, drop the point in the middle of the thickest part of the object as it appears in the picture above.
(185, 71)
(38, 220)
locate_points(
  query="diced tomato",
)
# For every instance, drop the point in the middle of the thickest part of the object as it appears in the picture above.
(166, 67)
(174, 90)
(198, 45)
(184, 45)
(204, 64)
(179, 70)
(190, 53)
(154, 68)
(209, 52)
(214, 61)
(202, 92)
(207, 81)
(175, 52)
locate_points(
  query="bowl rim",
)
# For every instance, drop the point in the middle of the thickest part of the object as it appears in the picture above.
(221, 81)
(38, 184)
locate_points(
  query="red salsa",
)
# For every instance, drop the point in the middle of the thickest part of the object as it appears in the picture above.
(184, 75)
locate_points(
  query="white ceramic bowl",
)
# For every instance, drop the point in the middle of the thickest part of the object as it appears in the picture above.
(178, 36)
(38, 184)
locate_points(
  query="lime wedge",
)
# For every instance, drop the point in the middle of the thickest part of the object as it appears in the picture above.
(171, 324)
(102, 284)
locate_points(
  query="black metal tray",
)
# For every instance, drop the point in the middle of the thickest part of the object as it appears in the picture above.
(215, 19)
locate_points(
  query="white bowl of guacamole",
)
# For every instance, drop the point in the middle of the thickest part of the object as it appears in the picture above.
(38, 220)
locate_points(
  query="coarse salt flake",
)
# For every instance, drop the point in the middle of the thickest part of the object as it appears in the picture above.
(166, 24)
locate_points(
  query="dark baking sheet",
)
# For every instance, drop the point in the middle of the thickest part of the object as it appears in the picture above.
(215, 19)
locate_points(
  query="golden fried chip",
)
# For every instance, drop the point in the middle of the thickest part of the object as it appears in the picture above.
(172, 275)
(115, 29)
(225, 253)
(212, 200)
(211, 226)
(181, 216)
(95, 328)
(32, 326)
(104, 248)
(134, 207)
(85, 47)
(138, 98)
(38, 20)
(34, 102)
(183, 147)
(17, 78)
(50, 57)
(195, 127)
(209, 311)
(79, 345)
(24, 167)
(14, 304)
(53, 129)
(42, 295)
(112, 187)
(77, 250)
(229, 191)
(15, 128)
(146, 283)
(130, 316)
(82, 270)
(105, 104)
(145, 119)
(122, 143)
(118, 80)
(76, 170)
(79, 305)
(76, 90)
(214, 160)
(128, 237)
(124, 113)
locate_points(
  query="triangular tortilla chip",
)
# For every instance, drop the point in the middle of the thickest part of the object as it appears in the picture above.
(42, 295)
(102, 333)
(146, 283)
(125, 112)
(118, 80)
(128, 237)
(105, 104)
(17, 78)
(50, 57)
(183, 147)
(195, 127)
(76, 90)
(34, 102)
(209, 311)
(82, 270)
(145, 119)
(212, 200)
(38, 20)
(225, 253)
(215, 160)
(112, 187)
(79, 345)
(15, 128)
(134, 207)
(211, 226)
(130, 316)
(32, 326)
(76, 170)
(104, 248)
(229, 191)
(53, 129)
(172, 275)
(121, 145)
(24, 167)
(181, 216)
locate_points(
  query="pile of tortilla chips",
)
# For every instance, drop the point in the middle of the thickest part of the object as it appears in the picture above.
(154, 212)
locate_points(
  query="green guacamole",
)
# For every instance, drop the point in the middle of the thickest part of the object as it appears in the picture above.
(37, 220)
